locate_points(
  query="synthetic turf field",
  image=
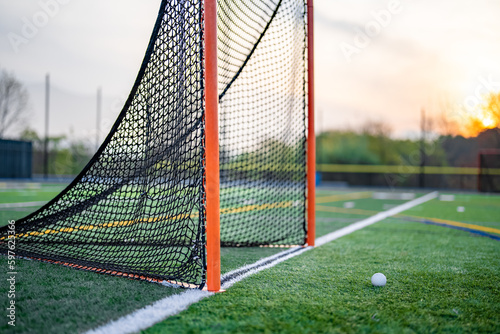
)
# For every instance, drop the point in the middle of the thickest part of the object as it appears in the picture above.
(439, 279)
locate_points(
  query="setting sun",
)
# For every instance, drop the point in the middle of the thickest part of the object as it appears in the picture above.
(485, 115)
(488, 121)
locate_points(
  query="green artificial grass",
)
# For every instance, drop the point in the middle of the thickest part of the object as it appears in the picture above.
(327, 222)
(53, 298)
(57, 299)
(14, 213)
(44, 193)
(438, 280)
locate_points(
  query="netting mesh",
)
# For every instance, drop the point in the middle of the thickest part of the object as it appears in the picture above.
(137, 209)
(262, 121)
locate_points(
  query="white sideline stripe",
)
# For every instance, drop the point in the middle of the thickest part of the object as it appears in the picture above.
(260, 262)
(152, 314)
(168, 306)
(20, 205)
(236, 279)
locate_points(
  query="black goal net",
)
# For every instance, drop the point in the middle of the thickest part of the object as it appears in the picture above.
(262, 121)
(138, 207)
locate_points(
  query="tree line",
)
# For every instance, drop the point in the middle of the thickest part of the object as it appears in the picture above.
(372, 144)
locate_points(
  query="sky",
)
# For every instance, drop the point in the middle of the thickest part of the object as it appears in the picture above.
(375, 60)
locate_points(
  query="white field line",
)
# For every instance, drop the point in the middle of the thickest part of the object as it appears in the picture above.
(20, 205)
(168, 306)
(255, 269)
(152, 314)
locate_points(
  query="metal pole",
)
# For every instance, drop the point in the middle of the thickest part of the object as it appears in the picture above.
(421, 181)
(311, 136)
(46, 139)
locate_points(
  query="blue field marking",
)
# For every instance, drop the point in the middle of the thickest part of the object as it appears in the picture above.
(481, 233)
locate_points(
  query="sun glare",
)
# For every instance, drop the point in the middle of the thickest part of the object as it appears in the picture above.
(488, 121)
(485, 115)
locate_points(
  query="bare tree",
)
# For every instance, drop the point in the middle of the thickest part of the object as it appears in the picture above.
(13, 102)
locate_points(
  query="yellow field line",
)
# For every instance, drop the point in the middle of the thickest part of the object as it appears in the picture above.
(246, 208)
(344, 197)
(105, 225)
(241, 166)
(266, 206)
